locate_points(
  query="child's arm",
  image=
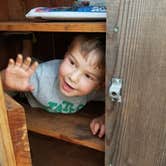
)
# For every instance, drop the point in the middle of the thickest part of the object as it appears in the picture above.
(17, 74)
(97, 126)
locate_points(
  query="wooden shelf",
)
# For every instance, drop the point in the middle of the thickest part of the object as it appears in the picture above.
(54, 26)
(71, 128)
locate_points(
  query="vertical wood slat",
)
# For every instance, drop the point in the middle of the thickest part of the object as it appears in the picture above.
(18, 130)
(7, 157)
(112, 70)
(136, 53)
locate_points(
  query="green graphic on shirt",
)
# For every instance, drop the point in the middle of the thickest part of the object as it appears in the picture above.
(63, 107)
(68, 107)
(80, 106)
(59, 108)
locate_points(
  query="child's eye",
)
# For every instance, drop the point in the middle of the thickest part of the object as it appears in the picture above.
(89, 76)
(72, 62)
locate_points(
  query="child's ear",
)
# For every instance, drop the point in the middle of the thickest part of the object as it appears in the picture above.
(100, 86)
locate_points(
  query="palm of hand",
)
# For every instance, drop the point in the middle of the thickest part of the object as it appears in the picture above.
(17, 78)
(18, 73)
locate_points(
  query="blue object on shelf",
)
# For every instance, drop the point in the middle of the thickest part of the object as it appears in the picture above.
(68, 13)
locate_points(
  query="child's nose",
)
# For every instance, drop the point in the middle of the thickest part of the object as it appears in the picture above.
(75, 76)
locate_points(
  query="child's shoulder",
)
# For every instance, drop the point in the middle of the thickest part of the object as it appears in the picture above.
(51, 65)
(49, 68)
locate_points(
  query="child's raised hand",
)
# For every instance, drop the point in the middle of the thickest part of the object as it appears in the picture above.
(97, 126)
(18, 73)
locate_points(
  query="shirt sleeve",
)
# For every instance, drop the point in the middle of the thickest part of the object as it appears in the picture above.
(44, 75)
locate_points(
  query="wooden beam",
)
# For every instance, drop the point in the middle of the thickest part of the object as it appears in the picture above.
(7, 157)
(54, 26)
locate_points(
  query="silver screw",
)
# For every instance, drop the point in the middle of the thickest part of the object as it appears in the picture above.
(116, 29)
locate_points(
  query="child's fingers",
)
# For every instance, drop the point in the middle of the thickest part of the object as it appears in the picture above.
(26, 63)
(32, 68)
(19, 60)
(92, 124)
(102, 131)
(96, 128)
(11, 63)
(30, 88)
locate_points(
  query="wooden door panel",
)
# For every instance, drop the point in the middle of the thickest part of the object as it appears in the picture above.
(136, 47)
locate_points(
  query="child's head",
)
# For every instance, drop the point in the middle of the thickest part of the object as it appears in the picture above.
(83, 68)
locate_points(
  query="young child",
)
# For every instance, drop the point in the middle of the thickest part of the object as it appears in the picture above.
(62, 86)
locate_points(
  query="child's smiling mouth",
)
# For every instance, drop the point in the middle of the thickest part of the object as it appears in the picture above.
(66, 87)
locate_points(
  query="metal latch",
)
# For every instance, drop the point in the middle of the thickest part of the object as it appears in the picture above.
(115, 89)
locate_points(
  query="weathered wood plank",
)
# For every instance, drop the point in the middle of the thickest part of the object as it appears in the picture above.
(136, 51)
(18, 129)
(54, 27)
(7, 157)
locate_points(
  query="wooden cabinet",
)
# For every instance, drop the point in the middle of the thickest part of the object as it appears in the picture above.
(136, 46)
(75, 128)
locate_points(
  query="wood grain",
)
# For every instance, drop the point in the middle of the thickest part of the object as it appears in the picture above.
(18, 129)
(137, 55)
(7, 157)
(71, 128)
(53, 27)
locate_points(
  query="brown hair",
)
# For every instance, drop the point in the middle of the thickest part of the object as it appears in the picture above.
(89, 43)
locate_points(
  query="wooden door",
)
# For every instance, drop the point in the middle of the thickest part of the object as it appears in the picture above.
(136, 53)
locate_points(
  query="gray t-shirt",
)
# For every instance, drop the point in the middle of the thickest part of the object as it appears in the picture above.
(46, 92)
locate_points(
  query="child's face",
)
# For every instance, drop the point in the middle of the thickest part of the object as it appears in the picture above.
(78, 75)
